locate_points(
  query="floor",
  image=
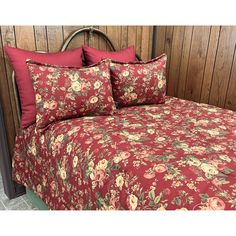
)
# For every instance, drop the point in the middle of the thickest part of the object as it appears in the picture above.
(20, 203)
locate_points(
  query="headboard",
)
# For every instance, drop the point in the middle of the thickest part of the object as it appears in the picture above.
(11, 188)
(87, 30)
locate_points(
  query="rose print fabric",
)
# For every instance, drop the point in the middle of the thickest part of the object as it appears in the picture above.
(139, 82)
(63, 92)
(171, 156)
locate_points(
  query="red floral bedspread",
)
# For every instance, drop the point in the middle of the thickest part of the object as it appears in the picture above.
(177, 155)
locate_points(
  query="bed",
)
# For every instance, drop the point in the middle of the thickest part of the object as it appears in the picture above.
(170, 156)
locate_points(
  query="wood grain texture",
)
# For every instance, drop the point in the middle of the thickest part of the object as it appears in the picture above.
(8, 38)
(124, 38)
(114, 33)
(55, 38)
(187, 40)
(176, 52)
(40, 35)
(224, 59)
(145, 47)
(197, 60)
(78, 40)
(230, 101)
(160, 40)
(6, 100)
(210, 62)
(167, 49)
(101, 42)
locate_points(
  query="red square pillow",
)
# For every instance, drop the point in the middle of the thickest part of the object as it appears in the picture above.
(18, 58)
(68, 92)
(139, 82)
(93, 55)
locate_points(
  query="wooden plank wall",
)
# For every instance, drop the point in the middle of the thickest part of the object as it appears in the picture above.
(50, 39)
(201, 62)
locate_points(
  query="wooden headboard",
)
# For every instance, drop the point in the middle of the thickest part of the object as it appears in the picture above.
(12, 189)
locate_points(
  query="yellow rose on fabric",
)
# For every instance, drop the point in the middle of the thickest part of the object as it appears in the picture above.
(38, 98)
(97, 85)
(69, 148)
(75, 161)
(60, 137)
(117, 159)
(39, 188)
(119, 181)
(42, 139)
(93, 99)
(73, 77)
(160, 139)
(209, 169)
(159, 76)
(161, 208)
(102, 164)
(194, 162)
(134, 96)
(132, 202)
(133, 137)
(125, 73)
(105, 74)
(160, 84)
(151, 131)
(76, 86)
(225, 158)
(63, 173)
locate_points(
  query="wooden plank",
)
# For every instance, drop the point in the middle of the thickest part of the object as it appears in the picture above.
(55, 38)
(197, 62)
(78, 41)
(40, 38)
(176, 51)
(168, 45)
(132, 35)
(8, 37)
(160, 40)
(184, 61)
(138, 40)
(223, 64)
(6, 100)
(150, 42)
(145, 54)
(25, 37)
(113, 33)
(102, 45)
(230, 101)
(210, 62)
(124, 37)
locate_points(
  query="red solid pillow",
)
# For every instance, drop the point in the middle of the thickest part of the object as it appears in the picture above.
(93, 56)
(18, 59)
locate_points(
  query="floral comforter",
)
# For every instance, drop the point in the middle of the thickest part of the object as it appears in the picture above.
(177, 155)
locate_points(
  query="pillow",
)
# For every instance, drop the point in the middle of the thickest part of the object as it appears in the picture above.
(24, 83)
(65, 92)
(93, 55)
(139, 82)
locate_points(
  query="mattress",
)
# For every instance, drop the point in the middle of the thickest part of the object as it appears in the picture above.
(180, 155)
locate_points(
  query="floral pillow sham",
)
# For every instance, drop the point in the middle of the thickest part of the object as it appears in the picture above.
(137, 83)
(68, 92)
